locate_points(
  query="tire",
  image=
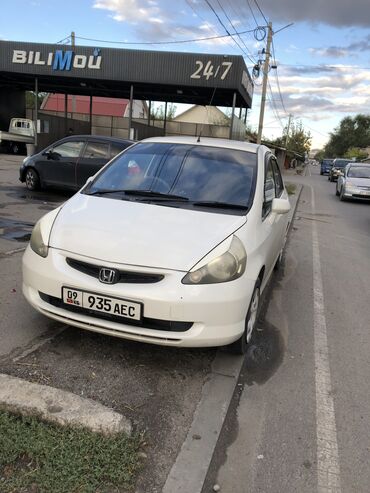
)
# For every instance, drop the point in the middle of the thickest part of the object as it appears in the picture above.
(240, 346)
(15, 148)
(279, 261)
(32, 179)
(341, 195)
(336, 192)
(321, 173)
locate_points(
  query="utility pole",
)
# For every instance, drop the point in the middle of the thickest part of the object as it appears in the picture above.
(264, 83)
(73, 44)
(287, 133)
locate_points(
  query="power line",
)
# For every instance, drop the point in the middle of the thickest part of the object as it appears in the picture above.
(277, 78)
(259, 8)
(250, 8)
(229, 35)
(189, 2)
(231, 23)
(227, 31)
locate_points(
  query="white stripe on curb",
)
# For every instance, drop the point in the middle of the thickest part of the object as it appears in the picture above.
(328, 471)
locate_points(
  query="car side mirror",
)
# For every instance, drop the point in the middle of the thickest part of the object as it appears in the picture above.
(89, 180)
(280, 206)
(47, 153)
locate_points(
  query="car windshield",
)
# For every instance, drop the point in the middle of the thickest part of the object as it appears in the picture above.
(327, 162)
(188, 174)
(359, 172)
(341, 164)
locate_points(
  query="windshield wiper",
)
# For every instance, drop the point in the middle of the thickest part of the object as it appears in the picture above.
(140, 193)
(220, 205)
(156, 195)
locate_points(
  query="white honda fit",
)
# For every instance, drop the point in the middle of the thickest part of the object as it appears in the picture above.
(171, 243)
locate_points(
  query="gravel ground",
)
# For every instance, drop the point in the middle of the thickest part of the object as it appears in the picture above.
(157, 388)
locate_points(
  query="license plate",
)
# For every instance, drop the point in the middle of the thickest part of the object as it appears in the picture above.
(102, 303)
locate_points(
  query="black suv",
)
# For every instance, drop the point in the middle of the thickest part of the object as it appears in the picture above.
(69, 162)
(337, 168)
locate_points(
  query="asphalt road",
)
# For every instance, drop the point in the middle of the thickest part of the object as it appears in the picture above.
(19, 210)
(300, 421)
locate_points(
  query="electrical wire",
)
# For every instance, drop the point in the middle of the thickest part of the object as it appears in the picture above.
(277, 78)
(227, 31)
(232, 25)
(195, 40)
(67, 39)
(259, 8)
(189, 2)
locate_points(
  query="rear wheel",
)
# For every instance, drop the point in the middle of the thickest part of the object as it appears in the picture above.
(240, 346)
(32, 179)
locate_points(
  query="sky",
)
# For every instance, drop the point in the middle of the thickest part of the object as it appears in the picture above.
(323, 59)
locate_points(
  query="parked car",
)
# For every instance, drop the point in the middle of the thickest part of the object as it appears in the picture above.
(337, 168)
(326, 165)
(172, 243)
(69, 162)
(354, 182)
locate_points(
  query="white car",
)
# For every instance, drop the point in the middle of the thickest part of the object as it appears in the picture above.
(171, 243)
(354, 182)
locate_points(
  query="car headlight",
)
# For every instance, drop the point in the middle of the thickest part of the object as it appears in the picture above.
(37, 242)
(227, 267)
(350, 187)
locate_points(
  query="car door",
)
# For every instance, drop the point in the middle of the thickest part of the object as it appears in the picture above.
(96, 154)
(271, 224)
(57, 167)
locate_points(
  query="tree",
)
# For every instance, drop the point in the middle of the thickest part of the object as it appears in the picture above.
(352, 132)
(299, 140)
(355, 152)
(158, 113)
(30, 99)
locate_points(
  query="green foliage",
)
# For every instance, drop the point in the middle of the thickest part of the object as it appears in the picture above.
(352, 132)
(44, 458)
(355, 152)
(320, 155)
(299, 140)
(30, 99)
(158, 113)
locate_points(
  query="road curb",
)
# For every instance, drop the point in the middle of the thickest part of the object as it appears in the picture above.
(60, 407)
(190, 469)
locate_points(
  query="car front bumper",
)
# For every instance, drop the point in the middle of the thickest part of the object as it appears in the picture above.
(215, 313)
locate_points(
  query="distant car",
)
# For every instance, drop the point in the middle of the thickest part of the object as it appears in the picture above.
(354, 183)
(172, 243)
(337, 168)
(326, 165)
(69, 162)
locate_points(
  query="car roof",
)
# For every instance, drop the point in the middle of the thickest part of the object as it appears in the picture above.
(208, 141)
(99, 137)
(359, 164)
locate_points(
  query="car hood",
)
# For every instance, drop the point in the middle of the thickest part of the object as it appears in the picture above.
(359, 182)
(136, 233)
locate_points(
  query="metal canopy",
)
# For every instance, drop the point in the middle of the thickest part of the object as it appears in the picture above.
(155, 75)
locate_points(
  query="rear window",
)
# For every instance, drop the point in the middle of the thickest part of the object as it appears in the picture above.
(97, 150)
(199, 173)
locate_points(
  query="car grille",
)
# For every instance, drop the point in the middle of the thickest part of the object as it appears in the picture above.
(122, 276)
(145, 322)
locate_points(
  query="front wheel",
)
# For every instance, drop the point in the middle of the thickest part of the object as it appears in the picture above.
(341, 195)
(336, 191)
(32, 179)
(240, 346)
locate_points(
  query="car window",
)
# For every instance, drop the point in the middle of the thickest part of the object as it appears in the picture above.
(359, 172)
(116, 149)
(279, 186)
(269, 189)
(200, 173)
(96, 150)
(72, 148)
